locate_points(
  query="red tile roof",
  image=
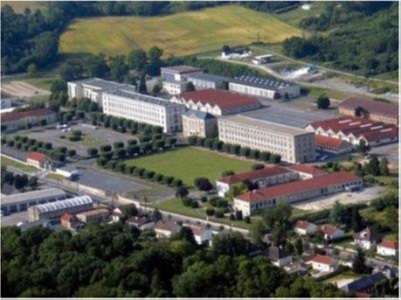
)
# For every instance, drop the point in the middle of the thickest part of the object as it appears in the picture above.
(325, 141)
(328, 229)
(197, 231)
(68, 217)
(220, 98)
(323, 259)
(95, 212)
(253, 175)
(386, 133)
(13, 116)
(166, 225)
(389, 244)
(296, 187)
(36, 156)
(302, 224)
(373, 107)
(308, 169)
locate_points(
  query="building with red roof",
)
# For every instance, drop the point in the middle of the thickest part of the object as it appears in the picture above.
(69, 221)
(332, 145)
(18, 119)
(353, 130)
(331, 232)
(296, 191)
(307, 171)
(303, 227)
(388, 248)
(38, 160)
(324, 263)
(217, 102)
(374, 110)
(201, 235)
(166, 228)
(262, 178)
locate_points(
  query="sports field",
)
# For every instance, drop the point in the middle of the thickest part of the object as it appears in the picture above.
(178, 34)
(190, 163)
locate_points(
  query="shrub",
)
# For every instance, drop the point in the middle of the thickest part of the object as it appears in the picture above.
(62, 149)
(254, 154)
(129, 169)
(25, 147)
(192, 140)
(92, 151)
(264, 156)
(17, 138)
(158, 177)
(218, 213)
(186, 201)
(258, 166)
(105, 148)
(232, 217)
(3, 140)
(275, 158)
(203, 184)
(247, 219)
(132, 142)
(108, 155)
(77, 133)
(177, 182)
(168, 179)
(39, 144)
(118, 145)
(71, 152)
(74, 138)
(111, 164)
(10, 143)
(31, 142)
(194, 204)
(18, 145)
(204, 199)
(148, 174)
(238, 215)
(209, 212)
(120, 153)
(101, 161)
(24, 139)
(62, 137)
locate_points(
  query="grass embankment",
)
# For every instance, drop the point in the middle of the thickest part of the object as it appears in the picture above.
(189, 163)
(12, 163)
(178, 34)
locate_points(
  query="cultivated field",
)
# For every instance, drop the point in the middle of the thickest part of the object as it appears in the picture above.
(190, 163)
(179, 34)
(21, 89)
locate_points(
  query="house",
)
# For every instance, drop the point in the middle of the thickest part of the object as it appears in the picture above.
(324, 263)
(217, 102)
(11, 121)
(366, 239)
(207, 81)
(198, 123)
(307, 171)
(262, 59)
(38, 160)
(364, 284)
(71, 222)
(166, 228)
(375, 111)
(303, 227)
(331, 232)
(96, 215)
(388, 248)
(141, 222)
(178, 73)
(118, 213)
(201, 235)
(389, 272)
(332, 145)
(278, 256)
(262, 178)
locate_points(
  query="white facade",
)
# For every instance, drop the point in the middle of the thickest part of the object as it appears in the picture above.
(310, 229)
(282, 261)
(204, 237)
(385, 251)
(174, 87)
(144, 109)
(267, 92)
(324, 267)
(335, 235)
(364, 244)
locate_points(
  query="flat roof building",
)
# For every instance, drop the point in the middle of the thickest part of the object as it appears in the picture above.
(264, 87)
(207, 81)
(178, 73)
(292, 144)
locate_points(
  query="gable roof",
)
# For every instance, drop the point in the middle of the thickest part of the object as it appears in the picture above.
(139, 221)
(197, 231)
(326, 141)
(36, 156)
(373, 107)
(166, 225)
(198, 115)
(17, 115)
(68, 218)
(363, 283)
(367, 234)
(328, 229)
(253, 175)
(389, 244)
(302, 224)
(261, 82)
(308, 169)
(180, 69)
(275, 253)
(220, 98)
(323, 259)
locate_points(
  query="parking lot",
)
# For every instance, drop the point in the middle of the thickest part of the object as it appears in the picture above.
(317, 204)
(390, 151)
(14, 219)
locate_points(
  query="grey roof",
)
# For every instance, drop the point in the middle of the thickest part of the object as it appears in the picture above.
(58, 205)
(367, 234)
(181, 83)
(32, 196)
(261, 82)
(127, 93)
(199, 114)
(180, 69)
(363, 283)
(207, 77)
(276, 253)
(102, 84)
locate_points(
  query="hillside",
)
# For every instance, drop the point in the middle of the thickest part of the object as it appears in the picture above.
(178, 34)
(19, 6)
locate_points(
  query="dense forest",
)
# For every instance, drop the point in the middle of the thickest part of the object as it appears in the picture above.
(363, 37)
(120, 261)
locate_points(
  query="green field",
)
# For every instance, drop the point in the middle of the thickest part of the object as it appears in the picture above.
(179, 34)
(12, 163)
(190, 163)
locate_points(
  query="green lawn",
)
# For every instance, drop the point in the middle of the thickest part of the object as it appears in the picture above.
(12, 163)
(189, 163)
(294, 16)
(178, 34)
(54, 176)
(370, 213)
(42, 82)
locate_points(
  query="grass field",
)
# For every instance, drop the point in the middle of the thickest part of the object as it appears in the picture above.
(179, 34)
(12, 163)
(19, 6)
(294, 16)
(190, 163)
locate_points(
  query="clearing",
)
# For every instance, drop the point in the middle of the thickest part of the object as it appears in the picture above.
(178, 34)
(189, 163)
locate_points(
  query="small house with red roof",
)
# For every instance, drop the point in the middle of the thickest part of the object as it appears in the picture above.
(332, 145)
(262, 177)
(303, 227)
(71, 222)
(166, 228)
(324, 263)
(331, 232)
(388, 248)
(278, 256)
(202, 235)
(38, 160)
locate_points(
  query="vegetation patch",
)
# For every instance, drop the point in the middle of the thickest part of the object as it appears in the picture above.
(12, 163)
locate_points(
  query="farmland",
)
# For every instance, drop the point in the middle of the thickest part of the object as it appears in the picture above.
(179, 34)
(190, 163)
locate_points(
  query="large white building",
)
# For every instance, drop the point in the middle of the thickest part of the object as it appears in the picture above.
(126, 103)
(293, 144)
(264, 87)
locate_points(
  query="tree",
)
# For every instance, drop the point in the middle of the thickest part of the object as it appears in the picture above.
(391, 215)
(190, 86)
(156, 90)
(236, 189)
(92, 151)
(181, 192)
(256, 233)
(231, 244)
(361, 112)
(203, 184)
(185, 233)
(142, 85)
(33, 182)
(227, 173)
(137, 60)
(299, 247)
(359, 262)
(118, 68)
(156, 215)
(155, 62)
(323, 102)
(32, 70)
(356, 221)
(226, 49)
(363, 147)
(129, 210)
(373, 166)
(337, 213)
(384, 170)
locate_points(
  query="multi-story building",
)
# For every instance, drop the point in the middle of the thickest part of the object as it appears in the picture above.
(366, 238)
(128, 104)
(293, 144)
(375, 111)
(207, 81)
(262, 178)
(217, 102)
(264, 87)
(295, 191)
(178, 73)
(15, 120)
(174, 87)
(93, 89)
(332, 145)
(54, 210)
(198, 123)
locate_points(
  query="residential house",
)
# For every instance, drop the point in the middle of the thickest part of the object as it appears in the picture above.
(366, 238)
(141, 222)
(324, 263)
(278, 256)
(96, 215)
(202, 235)
(71, 222)
(303, 227)
(388, 248)
(166, 228)
(331, 232)
(38, 160)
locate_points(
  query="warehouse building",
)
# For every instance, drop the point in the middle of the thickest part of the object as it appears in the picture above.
(217, 102)
(126, 103)
(198, 123)
(178, 73)
(17, 119)
(207, 81)
(373, 110)
(264, 87)
(296, 191)
(21, 202)
(53, 211)
(293, 144)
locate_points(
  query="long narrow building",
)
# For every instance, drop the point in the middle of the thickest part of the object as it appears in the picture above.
(294, 145)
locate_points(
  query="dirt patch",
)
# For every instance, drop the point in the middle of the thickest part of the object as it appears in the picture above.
(21, 89)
